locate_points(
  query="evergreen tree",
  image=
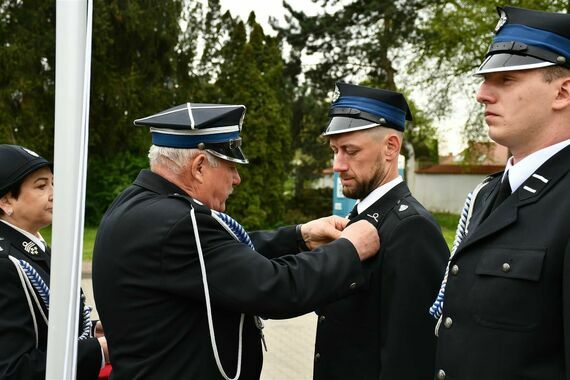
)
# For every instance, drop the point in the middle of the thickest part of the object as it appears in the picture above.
(27, 74)
(252, 74)
(138, 65)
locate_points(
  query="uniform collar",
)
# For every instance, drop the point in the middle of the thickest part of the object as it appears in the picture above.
(156, 183)
(378, 193)
(39, 241)
(522, 170)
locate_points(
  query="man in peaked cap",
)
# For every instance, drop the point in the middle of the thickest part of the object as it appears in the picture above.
(178, 283)
(383, 331)
(505, 309)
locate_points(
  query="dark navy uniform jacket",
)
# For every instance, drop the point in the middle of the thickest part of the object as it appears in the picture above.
(149, 290)
(508, 296)
(384, 331)
(19, 357)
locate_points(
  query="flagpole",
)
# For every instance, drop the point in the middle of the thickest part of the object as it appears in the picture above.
(73, 61)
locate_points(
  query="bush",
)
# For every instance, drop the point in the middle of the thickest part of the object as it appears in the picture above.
(106, 178)
(308, 204)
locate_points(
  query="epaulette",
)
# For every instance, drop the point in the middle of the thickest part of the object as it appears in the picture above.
(193, 203)
(404, 209)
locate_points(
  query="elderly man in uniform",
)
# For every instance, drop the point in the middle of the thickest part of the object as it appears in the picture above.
(178, 284)
(383, 330)
(506, 314)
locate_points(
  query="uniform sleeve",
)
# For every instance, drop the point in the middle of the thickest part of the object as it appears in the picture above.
(19, 358)
(242, 280)
(88, 359)
(276, 243)
(414, 264)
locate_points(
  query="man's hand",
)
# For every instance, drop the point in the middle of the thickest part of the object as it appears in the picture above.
(364, 236)
(321, 231)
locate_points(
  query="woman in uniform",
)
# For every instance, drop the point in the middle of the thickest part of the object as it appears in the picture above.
(26, 205)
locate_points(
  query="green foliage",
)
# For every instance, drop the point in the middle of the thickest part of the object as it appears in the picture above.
(448, 223)
(316, 204)
(252, 74)
(27, 69)
(107, 178)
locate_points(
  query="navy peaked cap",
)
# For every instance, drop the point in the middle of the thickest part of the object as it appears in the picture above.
(212, 127)
(358, 107)
(528, 39)
(16, 163)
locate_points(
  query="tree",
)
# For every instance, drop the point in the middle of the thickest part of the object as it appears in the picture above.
(138, 65)
(252, 74)
(27, 70)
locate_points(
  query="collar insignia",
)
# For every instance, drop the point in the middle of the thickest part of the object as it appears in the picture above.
(30, 247)
(403, 208)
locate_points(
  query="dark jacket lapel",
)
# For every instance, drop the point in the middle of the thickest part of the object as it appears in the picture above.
(24, 248)
(538, 184)
(379, 209)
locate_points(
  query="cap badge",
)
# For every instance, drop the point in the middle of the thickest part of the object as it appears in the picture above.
(403, 208)
(502, 21)
(336, 94)
(30, 247)
(31, 152)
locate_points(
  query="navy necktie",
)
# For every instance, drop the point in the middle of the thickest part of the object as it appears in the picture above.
(353, 213)
(503, 193)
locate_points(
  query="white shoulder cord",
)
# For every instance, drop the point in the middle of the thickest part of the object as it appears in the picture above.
(26, 286)
(209, 308)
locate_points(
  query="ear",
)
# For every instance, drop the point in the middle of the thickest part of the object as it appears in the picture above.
(197, 167)
(562, 99)
(6, 204)
(393, 143)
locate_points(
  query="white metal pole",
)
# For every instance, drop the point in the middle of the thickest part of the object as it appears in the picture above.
(73, 57)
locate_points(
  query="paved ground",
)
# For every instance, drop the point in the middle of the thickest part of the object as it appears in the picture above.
(290, 342)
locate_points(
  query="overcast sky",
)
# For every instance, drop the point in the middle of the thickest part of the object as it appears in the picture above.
(265, 8)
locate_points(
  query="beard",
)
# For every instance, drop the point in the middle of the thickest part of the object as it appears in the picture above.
(362, 189)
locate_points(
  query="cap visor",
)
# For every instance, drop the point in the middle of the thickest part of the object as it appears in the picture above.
(229, 154)
(347, 124)
(510, 62)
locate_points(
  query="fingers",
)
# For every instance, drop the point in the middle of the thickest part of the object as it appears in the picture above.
(364, 236)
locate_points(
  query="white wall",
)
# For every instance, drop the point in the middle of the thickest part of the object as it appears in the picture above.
(443, 192)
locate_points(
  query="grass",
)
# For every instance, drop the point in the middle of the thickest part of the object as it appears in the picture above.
(448, 223)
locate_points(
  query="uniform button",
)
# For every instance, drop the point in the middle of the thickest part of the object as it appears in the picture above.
(448, 322)
(506, 267)
(353, 286)
(455, 270)
(322, 319)
(441, 375)
(317, 356)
